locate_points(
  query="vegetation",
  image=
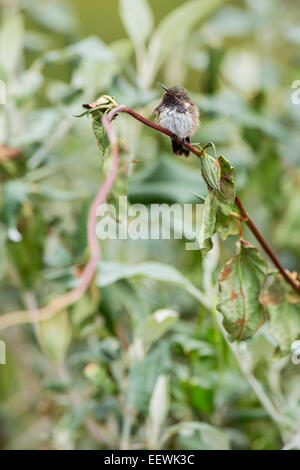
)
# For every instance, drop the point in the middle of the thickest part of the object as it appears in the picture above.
(141, 343)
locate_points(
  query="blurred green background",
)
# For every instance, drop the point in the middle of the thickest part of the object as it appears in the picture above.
(108, 372)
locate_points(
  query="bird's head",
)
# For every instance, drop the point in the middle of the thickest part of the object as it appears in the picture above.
(176, 93)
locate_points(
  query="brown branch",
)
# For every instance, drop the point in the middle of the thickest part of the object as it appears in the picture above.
(199, 153)
(266, 246)
(60, 302)
(65, 300)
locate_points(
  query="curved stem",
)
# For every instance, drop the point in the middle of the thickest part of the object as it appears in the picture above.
(199, 153)
(63, 301)
(60, 302)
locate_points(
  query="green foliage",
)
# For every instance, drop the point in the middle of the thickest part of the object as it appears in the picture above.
(143, 355)
(219, 202)
(284, 312)
(240, 283)
(55, 335)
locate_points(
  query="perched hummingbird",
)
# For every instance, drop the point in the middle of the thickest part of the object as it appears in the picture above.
(179, 114)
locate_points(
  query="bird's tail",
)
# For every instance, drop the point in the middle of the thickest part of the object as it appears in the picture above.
(179, 149)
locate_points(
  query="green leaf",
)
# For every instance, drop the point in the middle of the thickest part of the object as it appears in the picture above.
(55, 335)
(56, 254)
(99, 133)
(240, 284)
(288, 229)
(15, 193)
(208, 227)
(210, 172)
(11, 42)
(39, 125)
(231, 228)
(110, 272)
(168, 180)
(2, 250)
(198, 435)
(172, 31)
(55, 16)
(83, 309)
(158, 411)
(137, 18)
(217, 206)
(284, 316)
(143, 376)
(158, 324)
(90, 48)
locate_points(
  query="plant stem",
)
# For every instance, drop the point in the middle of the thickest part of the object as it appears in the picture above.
(63, 301)
(199, 153)
(266, 246)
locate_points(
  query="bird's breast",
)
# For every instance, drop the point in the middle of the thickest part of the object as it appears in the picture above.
(181, 124)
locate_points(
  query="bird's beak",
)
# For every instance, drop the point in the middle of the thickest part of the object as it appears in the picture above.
(165, 88)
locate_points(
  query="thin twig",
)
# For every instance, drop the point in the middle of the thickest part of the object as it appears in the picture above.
(60, 302)
(266, 246)
(245, 215)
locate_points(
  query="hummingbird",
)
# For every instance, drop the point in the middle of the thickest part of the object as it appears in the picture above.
(180, 115)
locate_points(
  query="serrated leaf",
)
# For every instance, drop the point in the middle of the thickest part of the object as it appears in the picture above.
(240, 284)
(137, 18)
(217, 206)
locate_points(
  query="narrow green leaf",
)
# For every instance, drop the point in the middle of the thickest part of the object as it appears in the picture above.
(172, 31)
(55, 335)
(218, 205)
(15, 193)
(90, 48)
(240, 284)
(110, 272)
(144, 374)
(208, 226)
(99, 133)
(137, 18)
(158, 411)
(210, 172)
(158, 324)
(11, 42)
